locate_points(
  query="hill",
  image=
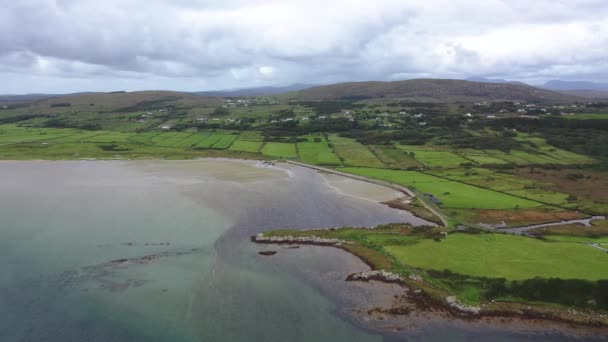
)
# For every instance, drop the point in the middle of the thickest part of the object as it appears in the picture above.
(119, 100)
(260, 91)
(435, 90)
(575, 85)
(9, 99)
(588, 93)
(589, 90)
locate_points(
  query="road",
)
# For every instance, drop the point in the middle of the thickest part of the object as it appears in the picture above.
(393, 186)
(525, 229)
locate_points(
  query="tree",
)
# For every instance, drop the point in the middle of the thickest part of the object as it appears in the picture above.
(220, 111)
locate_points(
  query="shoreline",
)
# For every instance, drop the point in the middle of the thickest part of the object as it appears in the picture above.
(427, 298)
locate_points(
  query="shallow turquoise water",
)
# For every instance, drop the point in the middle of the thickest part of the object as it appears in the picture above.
(159, 251)
(63, 223)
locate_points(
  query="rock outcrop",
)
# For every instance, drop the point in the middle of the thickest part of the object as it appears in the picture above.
(305, 240)
(380, 275)
(453, 302)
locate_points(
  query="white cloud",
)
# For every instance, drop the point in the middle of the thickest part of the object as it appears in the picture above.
(237, 43)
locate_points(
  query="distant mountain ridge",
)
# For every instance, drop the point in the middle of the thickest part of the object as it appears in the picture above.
(440, 90)
(430, 90)
(8, 99)
(260, 91)
(592, 90)
(575, 85)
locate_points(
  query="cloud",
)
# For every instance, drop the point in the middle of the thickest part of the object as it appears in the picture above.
(184, 44)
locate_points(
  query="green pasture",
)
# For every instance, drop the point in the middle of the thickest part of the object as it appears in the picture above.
(451, 193)
(280, 150)
(587, 116)
(394, 158)
(224, 141)
(504, 256)
(316, 150)
(246, 146)
(354, 153)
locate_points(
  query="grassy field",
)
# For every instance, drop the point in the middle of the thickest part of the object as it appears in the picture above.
(191, 140)
(354, 153)
(208, 141)
(246, 146)
(225, 141)
(451, 193)
(280, 150)
(481, 267)
(480, 157)
(587, 116)
(504, 256)
(316, 150)
(431, 157)
(394, 158)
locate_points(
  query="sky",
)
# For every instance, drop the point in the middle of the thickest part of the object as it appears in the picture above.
(63, 46)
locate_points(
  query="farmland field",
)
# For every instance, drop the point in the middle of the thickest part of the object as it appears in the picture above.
(225, 141)
(169, 138)
(504, 256)
(246, 146)
(316, 150)
(434, 158)
(394, 158)
(191, 140)
(216, 140)
(280, 150)
(452, 194)
(480, 157)
(587, 116)
(354, 153)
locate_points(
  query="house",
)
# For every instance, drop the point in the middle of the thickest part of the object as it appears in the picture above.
(402, 113)
(165, 127)
(322, 117)
(490, 116)
(419, 115)
(203, 120)
(423, 123)
(468, 115)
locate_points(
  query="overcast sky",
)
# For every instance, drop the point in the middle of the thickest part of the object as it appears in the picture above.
(59, 46)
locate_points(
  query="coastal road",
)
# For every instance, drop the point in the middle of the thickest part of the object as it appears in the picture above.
(525, 229)
(393, 186)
